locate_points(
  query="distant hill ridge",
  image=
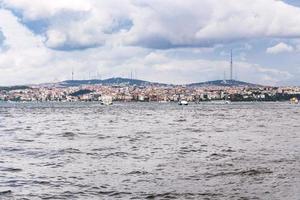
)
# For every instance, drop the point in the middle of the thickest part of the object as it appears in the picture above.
(109, 82)
(224, 83)
(137, 82)
(17, 87)
(131, 82)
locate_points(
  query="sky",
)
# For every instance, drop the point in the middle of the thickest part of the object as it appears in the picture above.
(169, 41)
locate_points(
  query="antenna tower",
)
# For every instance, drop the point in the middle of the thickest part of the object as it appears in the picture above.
(72, 74)
(231, 66)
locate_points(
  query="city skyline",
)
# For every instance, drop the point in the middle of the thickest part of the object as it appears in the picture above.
(43, 41)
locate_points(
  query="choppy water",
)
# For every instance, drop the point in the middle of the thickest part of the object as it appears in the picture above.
(150, 151)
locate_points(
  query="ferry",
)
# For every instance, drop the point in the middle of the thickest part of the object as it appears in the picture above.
(183, 103)
(227, 102)
(163, 101)
(106, 100)
(221, 102)
(294, 100)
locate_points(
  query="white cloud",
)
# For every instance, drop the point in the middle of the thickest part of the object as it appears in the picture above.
(161, 24)
(34, 63)
(119, 33)
(24, 55)
(55, 38)
(280, 48)
(165, 24)
(37, 9)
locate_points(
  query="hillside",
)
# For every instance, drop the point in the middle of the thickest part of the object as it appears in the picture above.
(21, 87)
(135, 82)
(110, 81)
(226, 83)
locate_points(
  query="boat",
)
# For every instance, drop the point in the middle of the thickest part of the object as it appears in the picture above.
(294, 100)
(227, 102)
(163, 101)
(183, 103)
(106, 100)
(221, 102)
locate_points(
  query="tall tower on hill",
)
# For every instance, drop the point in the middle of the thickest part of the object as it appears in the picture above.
(231, 66)
(72, 74)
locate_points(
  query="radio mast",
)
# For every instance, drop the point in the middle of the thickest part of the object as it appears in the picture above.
(231, 66)
(72, 74)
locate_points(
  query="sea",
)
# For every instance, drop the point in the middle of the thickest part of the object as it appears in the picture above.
(209, 151)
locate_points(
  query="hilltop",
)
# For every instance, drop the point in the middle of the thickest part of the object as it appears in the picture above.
(224, 83)
(110, 82)
(130, 82)
(11, 88)
(136, 82)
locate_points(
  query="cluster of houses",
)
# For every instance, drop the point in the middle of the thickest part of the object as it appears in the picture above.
(150, 93)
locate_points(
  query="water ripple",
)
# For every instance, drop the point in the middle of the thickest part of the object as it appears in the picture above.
(149, 151)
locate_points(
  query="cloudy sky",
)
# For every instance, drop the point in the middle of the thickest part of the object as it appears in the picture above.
(171, 41)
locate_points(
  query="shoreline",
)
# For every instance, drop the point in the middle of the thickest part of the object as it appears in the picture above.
(149, 102)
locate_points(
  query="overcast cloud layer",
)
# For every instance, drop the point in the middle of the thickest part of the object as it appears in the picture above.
(172, 41)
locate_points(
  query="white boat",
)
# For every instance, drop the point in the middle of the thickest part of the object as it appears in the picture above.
(106, 100)
(163, 101)
(294, 100)
(227, 102)
(221, 102)
(183, 103)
